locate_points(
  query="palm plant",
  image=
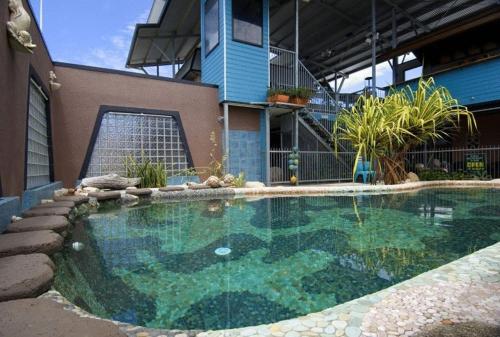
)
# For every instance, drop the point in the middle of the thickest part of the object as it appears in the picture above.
(384, 130)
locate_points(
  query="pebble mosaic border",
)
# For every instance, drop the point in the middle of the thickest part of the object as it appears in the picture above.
(464, 290)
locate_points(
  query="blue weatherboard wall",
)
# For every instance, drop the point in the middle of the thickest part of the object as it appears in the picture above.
(33, 196)
(240, 70)
(245, 154)
(477, 83)
(9, 206)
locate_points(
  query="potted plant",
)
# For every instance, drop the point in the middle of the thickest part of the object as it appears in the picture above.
(277, 95)
(300, 95)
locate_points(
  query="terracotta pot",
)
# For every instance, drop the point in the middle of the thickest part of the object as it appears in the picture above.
(299, 101)
(278, 99)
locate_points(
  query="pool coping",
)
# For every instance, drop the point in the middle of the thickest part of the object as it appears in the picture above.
(347, 319)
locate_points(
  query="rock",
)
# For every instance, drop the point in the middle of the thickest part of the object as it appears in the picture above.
(212, 182)
(131, 188)
(103, 196)
(129, 198)
(77, 199)
(254, 184)
(172, 189)
(46, 242)
(110, 181)
(436, 163)
(24, 276)
(55, 223)
(140, 192)
(199, 187)
(419, 167)
(69, 204)
(46, 211)
(90, 189)
(60, 192)
(43, 317)
(412, 177)
(228, 179)
(15, 218)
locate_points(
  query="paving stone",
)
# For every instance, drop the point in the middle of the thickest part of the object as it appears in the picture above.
(24, 276)
(69, 204)
(352, 331)
(140, 192)
(56, 223)
(171, 189)
(77, 199)
(46, 318)
(104, 196)
(339, 324)
(64, 211)
(46, 242)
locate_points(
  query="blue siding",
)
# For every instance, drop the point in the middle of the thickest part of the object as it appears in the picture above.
(477, 83)
(247, 65)
(245, 154)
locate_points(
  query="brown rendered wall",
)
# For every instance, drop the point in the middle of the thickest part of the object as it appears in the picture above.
(14, 83)
(246, 119)
(83, 91)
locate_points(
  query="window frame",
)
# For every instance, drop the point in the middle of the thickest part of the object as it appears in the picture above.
(261, 45)
(207, 51)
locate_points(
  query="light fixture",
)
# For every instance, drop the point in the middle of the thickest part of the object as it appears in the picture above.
(221, 251)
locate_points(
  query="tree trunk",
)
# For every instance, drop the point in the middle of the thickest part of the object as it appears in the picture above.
(110, 181)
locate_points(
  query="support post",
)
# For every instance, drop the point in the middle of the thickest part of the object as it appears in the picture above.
(174, 57)
(374, 49)
(296, 137)
(157, 70)
(267, 175)
(394, 45)
(226, 136)
(296, 79)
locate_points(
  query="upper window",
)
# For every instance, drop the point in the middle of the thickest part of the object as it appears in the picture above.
(211, 25)
(247, 21)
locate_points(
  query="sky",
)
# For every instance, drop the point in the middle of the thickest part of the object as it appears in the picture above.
(98, 33)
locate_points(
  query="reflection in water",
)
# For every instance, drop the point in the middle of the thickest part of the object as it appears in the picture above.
(157, 264)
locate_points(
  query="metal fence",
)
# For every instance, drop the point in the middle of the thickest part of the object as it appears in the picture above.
(314, 166)
(483, 161)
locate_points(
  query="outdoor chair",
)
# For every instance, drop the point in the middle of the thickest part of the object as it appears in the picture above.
(364, 170)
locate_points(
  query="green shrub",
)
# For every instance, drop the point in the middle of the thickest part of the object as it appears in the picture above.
(151, 174)
(429, 175)
(240, 180)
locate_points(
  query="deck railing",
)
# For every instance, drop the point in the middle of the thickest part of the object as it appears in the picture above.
(314, 166)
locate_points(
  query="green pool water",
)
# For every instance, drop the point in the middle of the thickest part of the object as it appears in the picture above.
(158, 264)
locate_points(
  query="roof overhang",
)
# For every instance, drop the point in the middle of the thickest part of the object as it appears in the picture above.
(167, 38)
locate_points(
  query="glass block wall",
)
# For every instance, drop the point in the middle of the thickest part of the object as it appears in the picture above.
(156, 137)
(38, 161)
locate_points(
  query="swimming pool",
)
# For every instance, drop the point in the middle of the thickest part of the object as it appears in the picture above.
(230, 263)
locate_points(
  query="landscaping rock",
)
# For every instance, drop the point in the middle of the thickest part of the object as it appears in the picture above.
(254, 184)
(42, 317)
(103, 196)
(228, 179)
(199, 187)
(412, 177)
(140, 192)
(69, 204)
(112, 181)
(172, 189)
(213, 182)
(55, 223)
(46, 242)
(77, 199)
(129, 198)
(24, 276)
(45, 211)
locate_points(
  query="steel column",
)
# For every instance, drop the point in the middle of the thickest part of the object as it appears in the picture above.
(394, 45)
(296, 80)
(226, 136)
(374, 49)
(267, 165)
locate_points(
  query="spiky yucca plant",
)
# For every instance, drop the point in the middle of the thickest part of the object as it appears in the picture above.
(383, 130)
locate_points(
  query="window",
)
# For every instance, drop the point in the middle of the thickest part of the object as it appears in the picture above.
(247, 21)
(211, 25)
(156, 137)
(38, 160)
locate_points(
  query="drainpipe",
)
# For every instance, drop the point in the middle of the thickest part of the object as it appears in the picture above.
(226, 136)
(374, 49)
(394, 45)
(296, 81)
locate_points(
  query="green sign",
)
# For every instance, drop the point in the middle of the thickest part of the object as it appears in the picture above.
(475, 163)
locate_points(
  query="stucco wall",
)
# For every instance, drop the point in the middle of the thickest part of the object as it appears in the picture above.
(84, 90)
(14, 84)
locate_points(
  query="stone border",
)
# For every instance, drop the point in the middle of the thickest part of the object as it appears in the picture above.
(477, 274)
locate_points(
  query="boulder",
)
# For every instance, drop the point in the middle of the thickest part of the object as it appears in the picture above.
(43, 317)
(103, 196)
(412, 177)
(213, 182)
(55, 223)
(254, 184)
(140, 192)
(90, 189)
(77, 199)
(24, 276)
(129, 198)
(45, 211)
(46, 242)
(60, 192)
(110, 181)
(69, 204)
(228, 179)
(172, 189)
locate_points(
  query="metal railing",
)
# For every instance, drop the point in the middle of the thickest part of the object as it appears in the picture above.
(484, 161)
(314, 166)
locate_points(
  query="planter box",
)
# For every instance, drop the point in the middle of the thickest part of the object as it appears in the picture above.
(278, 99)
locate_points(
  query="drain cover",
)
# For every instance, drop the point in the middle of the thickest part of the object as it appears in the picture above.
(222, 251)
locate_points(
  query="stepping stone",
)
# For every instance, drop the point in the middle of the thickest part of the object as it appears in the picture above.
(199, 187)
(46, 242)
(69, 204)
(103, 196)
(24, 276)
(64, 211)
(140, 192)
(55, 223)
(77, 199)
(43, 317)
(172, 189)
